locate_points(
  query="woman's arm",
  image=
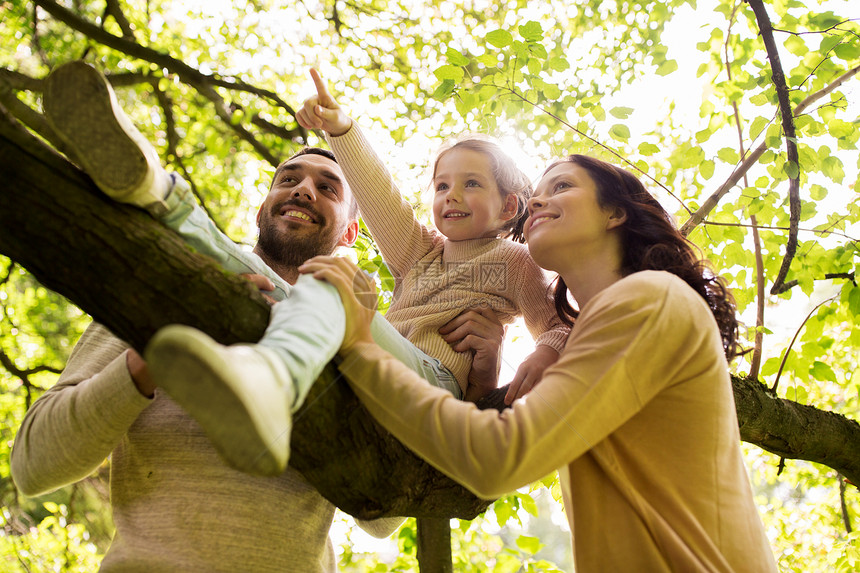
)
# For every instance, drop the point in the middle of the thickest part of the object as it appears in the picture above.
(615, 361)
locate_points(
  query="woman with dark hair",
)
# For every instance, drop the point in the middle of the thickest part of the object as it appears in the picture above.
(637, 415)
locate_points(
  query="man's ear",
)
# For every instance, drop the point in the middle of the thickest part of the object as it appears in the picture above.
(616, 219)
(257, 218)
(350, 234)
(509, 209)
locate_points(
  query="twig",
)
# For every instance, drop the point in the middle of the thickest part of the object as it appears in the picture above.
(788, 285)
(846, 517)
(822, 232)
(600, 144)
(794, 338)
(755, 361)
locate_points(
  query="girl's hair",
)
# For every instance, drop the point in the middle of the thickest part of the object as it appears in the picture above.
(650, 241)
(509, 179)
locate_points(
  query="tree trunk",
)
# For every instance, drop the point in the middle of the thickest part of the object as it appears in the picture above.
(434, 546)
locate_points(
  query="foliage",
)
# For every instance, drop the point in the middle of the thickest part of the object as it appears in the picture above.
(552, 78)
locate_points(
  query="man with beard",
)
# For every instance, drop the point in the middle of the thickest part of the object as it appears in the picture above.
(176, 505)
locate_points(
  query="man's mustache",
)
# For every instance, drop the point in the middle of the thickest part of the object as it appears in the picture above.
(300, 203)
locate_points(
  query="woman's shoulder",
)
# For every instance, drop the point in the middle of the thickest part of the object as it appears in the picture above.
(660, 288)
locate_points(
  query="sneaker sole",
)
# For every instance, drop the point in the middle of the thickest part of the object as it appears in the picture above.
(78, 105)
(172, 353)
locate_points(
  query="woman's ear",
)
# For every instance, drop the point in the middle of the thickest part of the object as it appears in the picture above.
(616, 219)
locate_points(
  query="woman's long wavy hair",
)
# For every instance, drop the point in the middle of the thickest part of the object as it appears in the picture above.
(650, 241)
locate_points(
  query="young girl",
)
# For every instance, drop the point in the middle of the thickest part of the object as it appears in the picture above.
(479, 197)
(637, 415)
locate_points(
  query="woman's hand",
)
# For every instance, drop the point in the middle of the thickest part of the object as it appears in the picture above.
(480, 332)
(357, 290)
(322, 112)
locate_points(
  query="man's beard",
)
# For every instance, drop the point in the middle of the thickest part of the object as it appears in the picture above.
(291, 250)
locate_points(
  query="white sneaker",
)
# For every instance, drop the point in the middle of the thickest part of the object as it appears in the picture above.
(81, 106)
(240, 395)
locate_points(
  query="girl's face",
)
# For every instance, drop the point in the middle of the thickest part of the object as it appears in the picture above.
(565, 220)
(467, 203)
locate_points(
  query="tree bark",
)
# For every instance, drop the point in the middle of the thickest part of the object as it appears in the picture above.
(434, 546)
(137, 276)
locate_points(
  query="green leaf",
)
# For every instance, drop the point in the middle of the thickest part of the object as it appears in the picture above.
(838, 128)
(728, 155)
(796, 45)
(848, 52)
(853, 299)
(703, 135)
(444, 90)
(791, 169)
(551, 91)
(771, 366)
(667, 68)
(534, 66)
(757, 126)
(706, 168)
(817, 192)
(558, 64)
(456, 58)
(621, 112)
(538, 51)
(531, 31)
(499, 38)
(648, 149)
(798, 394)
(759, 99)
(449, 72)
(832, 168)
(529, 544)
(490, 60)
(619, 132)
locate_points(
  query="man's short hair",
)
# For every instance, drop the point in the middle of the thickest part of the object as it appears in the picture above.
(314, 151)
(353, 205)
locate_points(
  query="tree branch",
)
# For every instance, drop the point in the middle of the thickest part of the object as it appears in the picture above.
(113, 8)
(792, 160)
(751, 159)
(203, 83)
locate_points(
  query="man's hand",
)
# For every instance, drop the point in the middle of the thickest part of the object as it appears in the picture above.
(530, 372)
(263, 283)
(480, 332)
(322, 112)
(139, 373)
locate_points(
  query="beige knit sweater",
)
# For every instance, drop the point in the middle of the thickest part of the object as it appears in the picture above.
(638, 418)
(176, 505)
(437, 279)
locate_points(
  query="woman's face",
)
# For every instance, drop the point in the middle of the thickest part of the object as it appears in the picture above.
(565, 220)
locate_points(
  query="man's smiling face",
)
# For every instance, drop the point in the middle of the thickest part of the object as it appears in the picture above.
(307, 211)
